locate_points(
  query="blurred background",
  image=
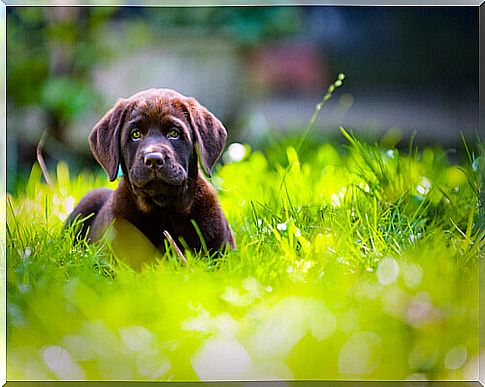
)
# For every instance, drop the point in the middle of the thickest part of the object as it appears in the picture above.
(411, 72)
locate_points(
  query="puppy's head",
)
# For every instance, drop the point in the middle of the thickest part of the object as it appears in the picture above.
(158, 136)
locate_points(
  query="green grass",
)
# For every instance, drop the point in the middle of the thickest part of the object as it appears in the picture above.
(358, 263)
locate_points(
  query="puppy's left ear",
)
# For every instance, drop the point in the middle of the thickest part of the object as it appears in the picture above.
(104, 139)
(209, 135)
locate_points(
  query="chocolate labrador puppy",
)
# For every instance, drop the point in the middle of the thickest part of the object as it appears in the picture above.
(158, 137)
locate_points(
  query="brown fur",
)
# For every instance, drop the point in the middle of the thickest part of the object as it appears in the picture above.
(162, 188)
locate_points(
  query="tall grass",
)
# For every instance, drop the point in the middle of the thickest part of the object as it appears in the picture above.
(360, 263)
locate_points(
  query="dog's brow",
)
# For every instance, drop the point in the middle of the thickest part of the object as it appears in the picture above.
(134, 122)
(176, 121)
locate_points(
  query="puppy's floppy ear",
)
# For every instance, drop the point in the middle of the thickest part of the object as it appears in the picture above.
(209, 135)
(104, 139)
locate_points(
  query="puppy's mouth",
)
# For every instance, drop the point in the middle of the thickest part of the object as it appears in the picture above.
(144, 178)
(158, 185)
(161, 179)
(161, 188)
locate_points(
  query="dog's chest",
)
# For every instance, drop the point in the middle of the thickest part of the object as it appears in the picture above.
(154, 222)
(179, 226)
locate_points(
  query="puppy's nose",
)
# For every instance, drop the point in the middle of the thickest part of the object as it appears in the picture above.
(154, 160)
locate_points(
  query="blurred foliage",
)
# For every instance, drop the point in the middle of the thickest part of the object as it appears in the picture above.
(360, 262)
(52, 52)
(247, 26)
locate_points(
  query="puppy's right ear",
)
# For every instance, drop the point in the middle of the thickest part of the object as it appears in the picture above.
(104, 139)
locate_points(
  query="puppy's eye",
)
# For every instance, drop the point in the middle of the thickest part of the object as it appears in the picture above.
(135, 134)
(173, 133)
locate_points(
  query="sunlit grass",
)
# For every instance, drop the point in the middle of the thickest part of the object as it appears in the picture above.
(358, 263)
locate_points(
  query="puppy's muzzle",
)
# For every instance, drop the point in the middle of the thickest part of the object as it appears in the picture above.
(154, 160)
